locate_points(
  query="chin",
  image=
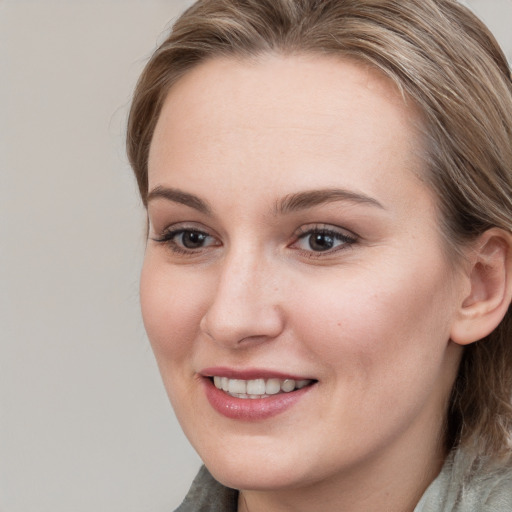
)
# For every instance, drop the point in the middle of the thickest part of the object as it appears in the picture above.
(259, 463)
(255, 476)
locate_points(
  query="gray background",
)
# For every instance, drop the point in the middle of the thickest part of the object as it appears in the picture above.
(84, 421)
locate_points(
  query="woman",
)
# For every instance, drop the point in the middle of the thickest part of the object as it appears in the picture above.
(328, 267)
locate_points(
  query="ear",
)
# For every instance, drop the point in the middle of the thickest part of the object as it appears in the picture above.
(489, 276)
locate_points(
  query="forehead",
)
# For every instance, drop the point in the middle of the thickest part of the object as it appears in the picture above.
(284, 117)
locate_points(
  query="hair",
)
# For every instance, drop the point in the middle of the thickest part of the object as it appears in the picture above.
(447, 62)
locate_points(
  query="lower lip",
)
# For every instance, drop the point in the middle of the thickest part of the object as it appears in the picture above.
(251, 409)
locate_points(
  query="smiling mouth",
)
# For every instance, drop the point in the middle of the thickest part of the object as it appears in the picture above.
(258, 388)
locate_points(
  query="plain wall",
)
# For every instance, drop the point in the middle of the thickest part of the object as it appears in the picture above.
(84, 421)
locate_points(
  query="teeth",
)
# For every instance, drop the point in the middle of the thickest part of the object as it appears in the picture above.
(237, 386)
(273, 386)
(258, 388)
(288, 385)
(302, 384)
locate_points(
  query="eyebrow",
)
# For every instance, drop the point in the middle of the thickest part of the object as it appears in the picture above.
(289, 204)
(308, 199)
(178, 196)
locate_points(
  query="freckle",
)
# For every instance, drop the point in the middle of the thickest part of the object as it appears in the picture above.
(339, 324)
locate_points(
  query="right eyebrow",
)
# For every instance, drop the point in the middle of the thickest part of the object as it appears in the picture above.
(178, 196)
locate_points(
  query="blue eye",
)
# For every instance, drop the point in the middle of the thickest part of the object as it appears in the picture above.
(323, 240)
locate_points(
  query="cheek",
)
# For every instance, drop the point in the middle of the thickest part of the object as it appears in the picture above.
(171, 303)
(382, 345)
(377, 323)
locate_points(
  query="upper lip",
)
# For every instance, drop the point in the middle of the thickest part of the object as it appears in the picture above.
(249, 373)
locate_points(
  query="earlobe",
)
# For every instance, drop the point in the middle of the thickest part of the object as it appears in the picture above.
(490, 287)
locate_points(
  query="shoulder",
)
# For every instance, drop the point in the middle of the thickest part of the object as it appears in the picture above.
(208, 495)
(466, 484)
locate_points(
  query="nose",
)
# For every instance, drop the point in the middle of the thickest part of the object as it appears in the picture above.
(244, 306)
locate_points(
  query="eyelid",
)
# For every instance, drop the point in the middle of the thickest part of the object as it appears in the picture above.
(325, 228)
(180, 226)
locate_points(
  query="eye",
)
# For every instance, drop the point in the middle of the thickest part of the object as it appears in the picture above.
(323, 239)
(191, 239)
(187, 240)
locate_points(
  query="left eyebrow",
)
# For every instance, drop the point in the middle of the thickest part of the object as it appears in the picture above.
(179, 196)
(308, 199)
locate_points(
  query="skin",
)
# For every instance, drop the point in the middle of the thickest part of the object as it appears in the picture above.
(369, 319)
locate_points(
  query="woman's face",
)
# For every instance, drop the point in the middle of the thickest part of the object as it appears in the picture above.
(294, 257)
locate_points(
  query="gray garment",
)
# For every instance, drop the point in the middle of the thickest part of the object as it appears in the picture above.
(467, 485)
(462, 486)
(207, 495)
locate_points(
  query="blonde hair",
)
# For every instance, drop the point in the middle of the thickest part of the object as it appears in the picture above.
(444, 59)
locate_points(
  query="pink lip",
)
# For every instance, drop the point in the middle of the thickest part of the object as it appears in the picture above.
(248, 374)
(249, 409)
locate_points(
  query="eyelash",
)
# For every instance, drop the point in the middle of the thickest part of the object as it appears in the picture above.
(168, 237)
